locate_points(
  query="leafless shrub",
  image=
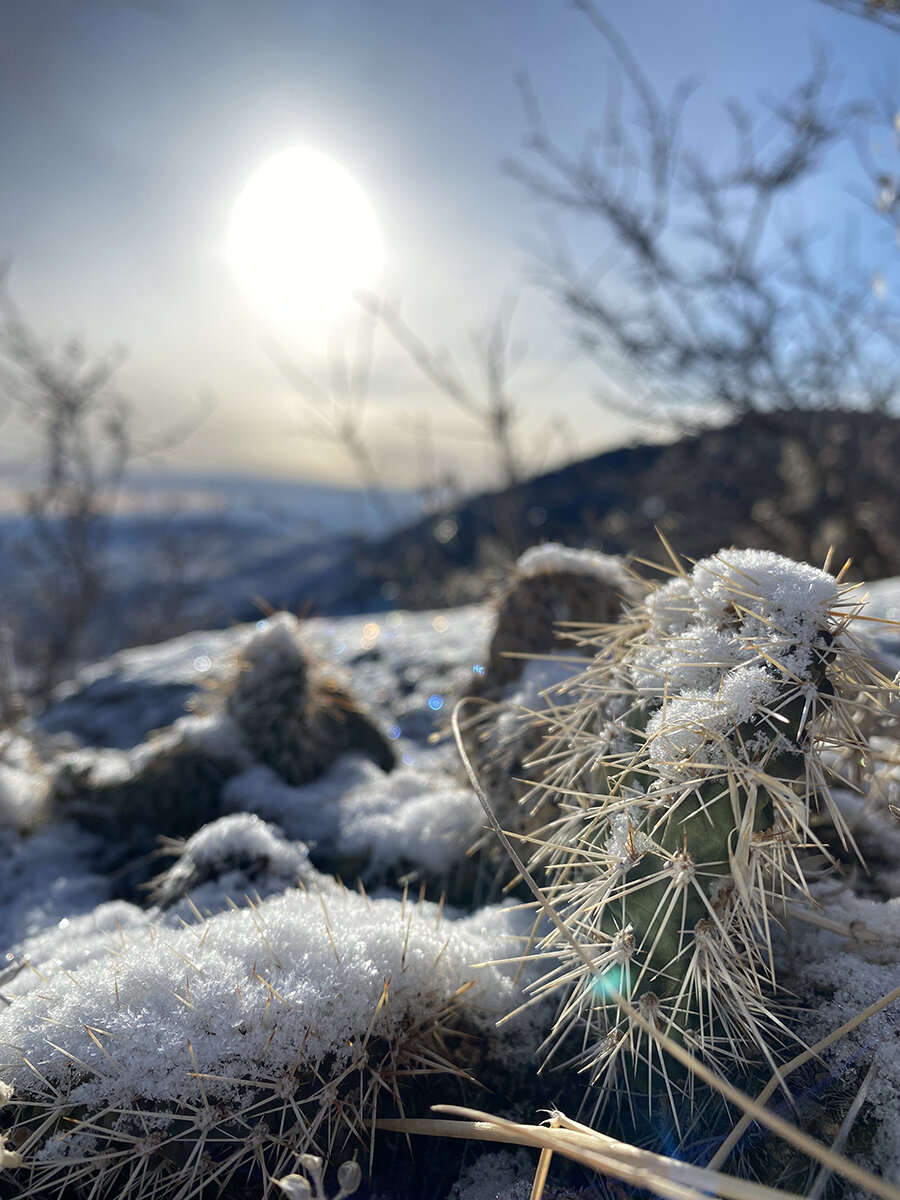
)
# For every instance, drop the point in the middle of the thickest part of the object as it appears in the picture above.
(334, 411)
(83, 429)
(709, 288)
(83, 435)
(882, 12)
(490, 404)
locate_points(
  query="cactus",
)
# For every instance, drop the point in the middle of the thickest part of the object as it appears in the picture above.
(693, 758)
(204, 1059)
(553, 592)
(168, 786)
(553, 587)
(292, 715)
(277, 707)
(228, 858)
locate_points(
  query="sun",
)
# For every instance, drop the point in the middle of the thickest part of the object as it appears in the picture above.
(303, 237)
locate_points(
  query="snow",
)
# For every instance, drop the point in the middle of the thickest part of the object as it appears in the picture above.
(496, 1175)
(47, 877)
(794, 591)
(710, 643)
(553, 557)
(115, 703)
(23, 796)
(246, 948)
(231, 857)
(411, 818)
(415, 816)
(306, 1011)
(855, 971)
(329, 962)
(397, 660)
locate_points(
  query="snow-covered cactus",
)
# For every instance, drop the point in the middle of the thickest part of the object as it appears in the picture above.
(553, 592)
(202, 1060)
(292, 715)
(229, 858)
(553, 587)
(277, 707)
(693, 759)
(168, 786)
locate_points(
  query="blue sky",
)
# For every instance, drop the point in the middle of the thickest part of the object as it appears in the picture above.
(129, 129)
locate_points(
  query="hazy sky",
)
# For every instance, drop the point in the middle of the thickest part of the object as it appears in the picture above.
(128, 130)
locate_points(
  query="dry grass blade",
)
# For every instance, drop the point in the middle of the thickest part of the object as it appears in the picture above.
(821, 1180)
(755, 1111)
(746, 1120)
(665, 1177)
(543, 1167)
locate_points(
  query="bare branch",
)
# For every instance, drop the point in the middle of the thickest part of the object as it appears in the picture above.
(336, 413)
(492, 407)
(883, 12)
(705, 290)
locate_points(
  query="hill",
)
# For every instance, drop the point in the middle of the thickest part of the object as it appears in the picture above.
(796, 482)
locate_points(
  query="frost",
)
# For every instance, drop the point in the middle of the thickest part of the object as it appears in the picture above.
(326, 961)
(846, 975)
(540, 676)
(496, 1175)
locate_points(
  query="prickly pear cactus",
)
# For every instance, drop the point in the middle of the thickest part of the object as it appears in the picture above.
(694, 759)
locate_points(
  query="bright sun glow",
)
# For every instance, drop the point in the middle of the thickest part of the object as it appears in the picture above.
(303, 237)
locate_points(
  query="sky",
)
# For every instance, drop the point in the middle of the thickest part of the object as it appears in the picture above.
(129, 129)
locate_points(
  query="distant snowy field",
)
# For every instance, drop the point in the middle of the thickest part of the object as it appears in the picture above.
(205, 551)
(121, 1004)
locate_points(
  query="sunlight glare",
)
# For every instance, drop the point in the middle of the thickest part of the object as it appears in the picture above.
(303, 237)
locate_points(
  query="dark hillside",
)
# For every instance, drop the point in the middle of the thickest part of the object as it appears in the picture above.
(795, 482)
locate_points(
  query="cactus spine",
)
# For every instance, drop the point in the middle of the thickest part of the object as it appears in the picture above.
(693, 758)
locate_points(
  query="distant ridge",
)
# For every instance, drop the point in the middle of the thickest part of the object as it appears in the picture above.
(796, 482)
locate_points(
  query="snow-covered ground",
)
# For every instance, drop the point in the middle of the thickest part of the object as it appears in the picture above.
(187, 552)
(246, 1003)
